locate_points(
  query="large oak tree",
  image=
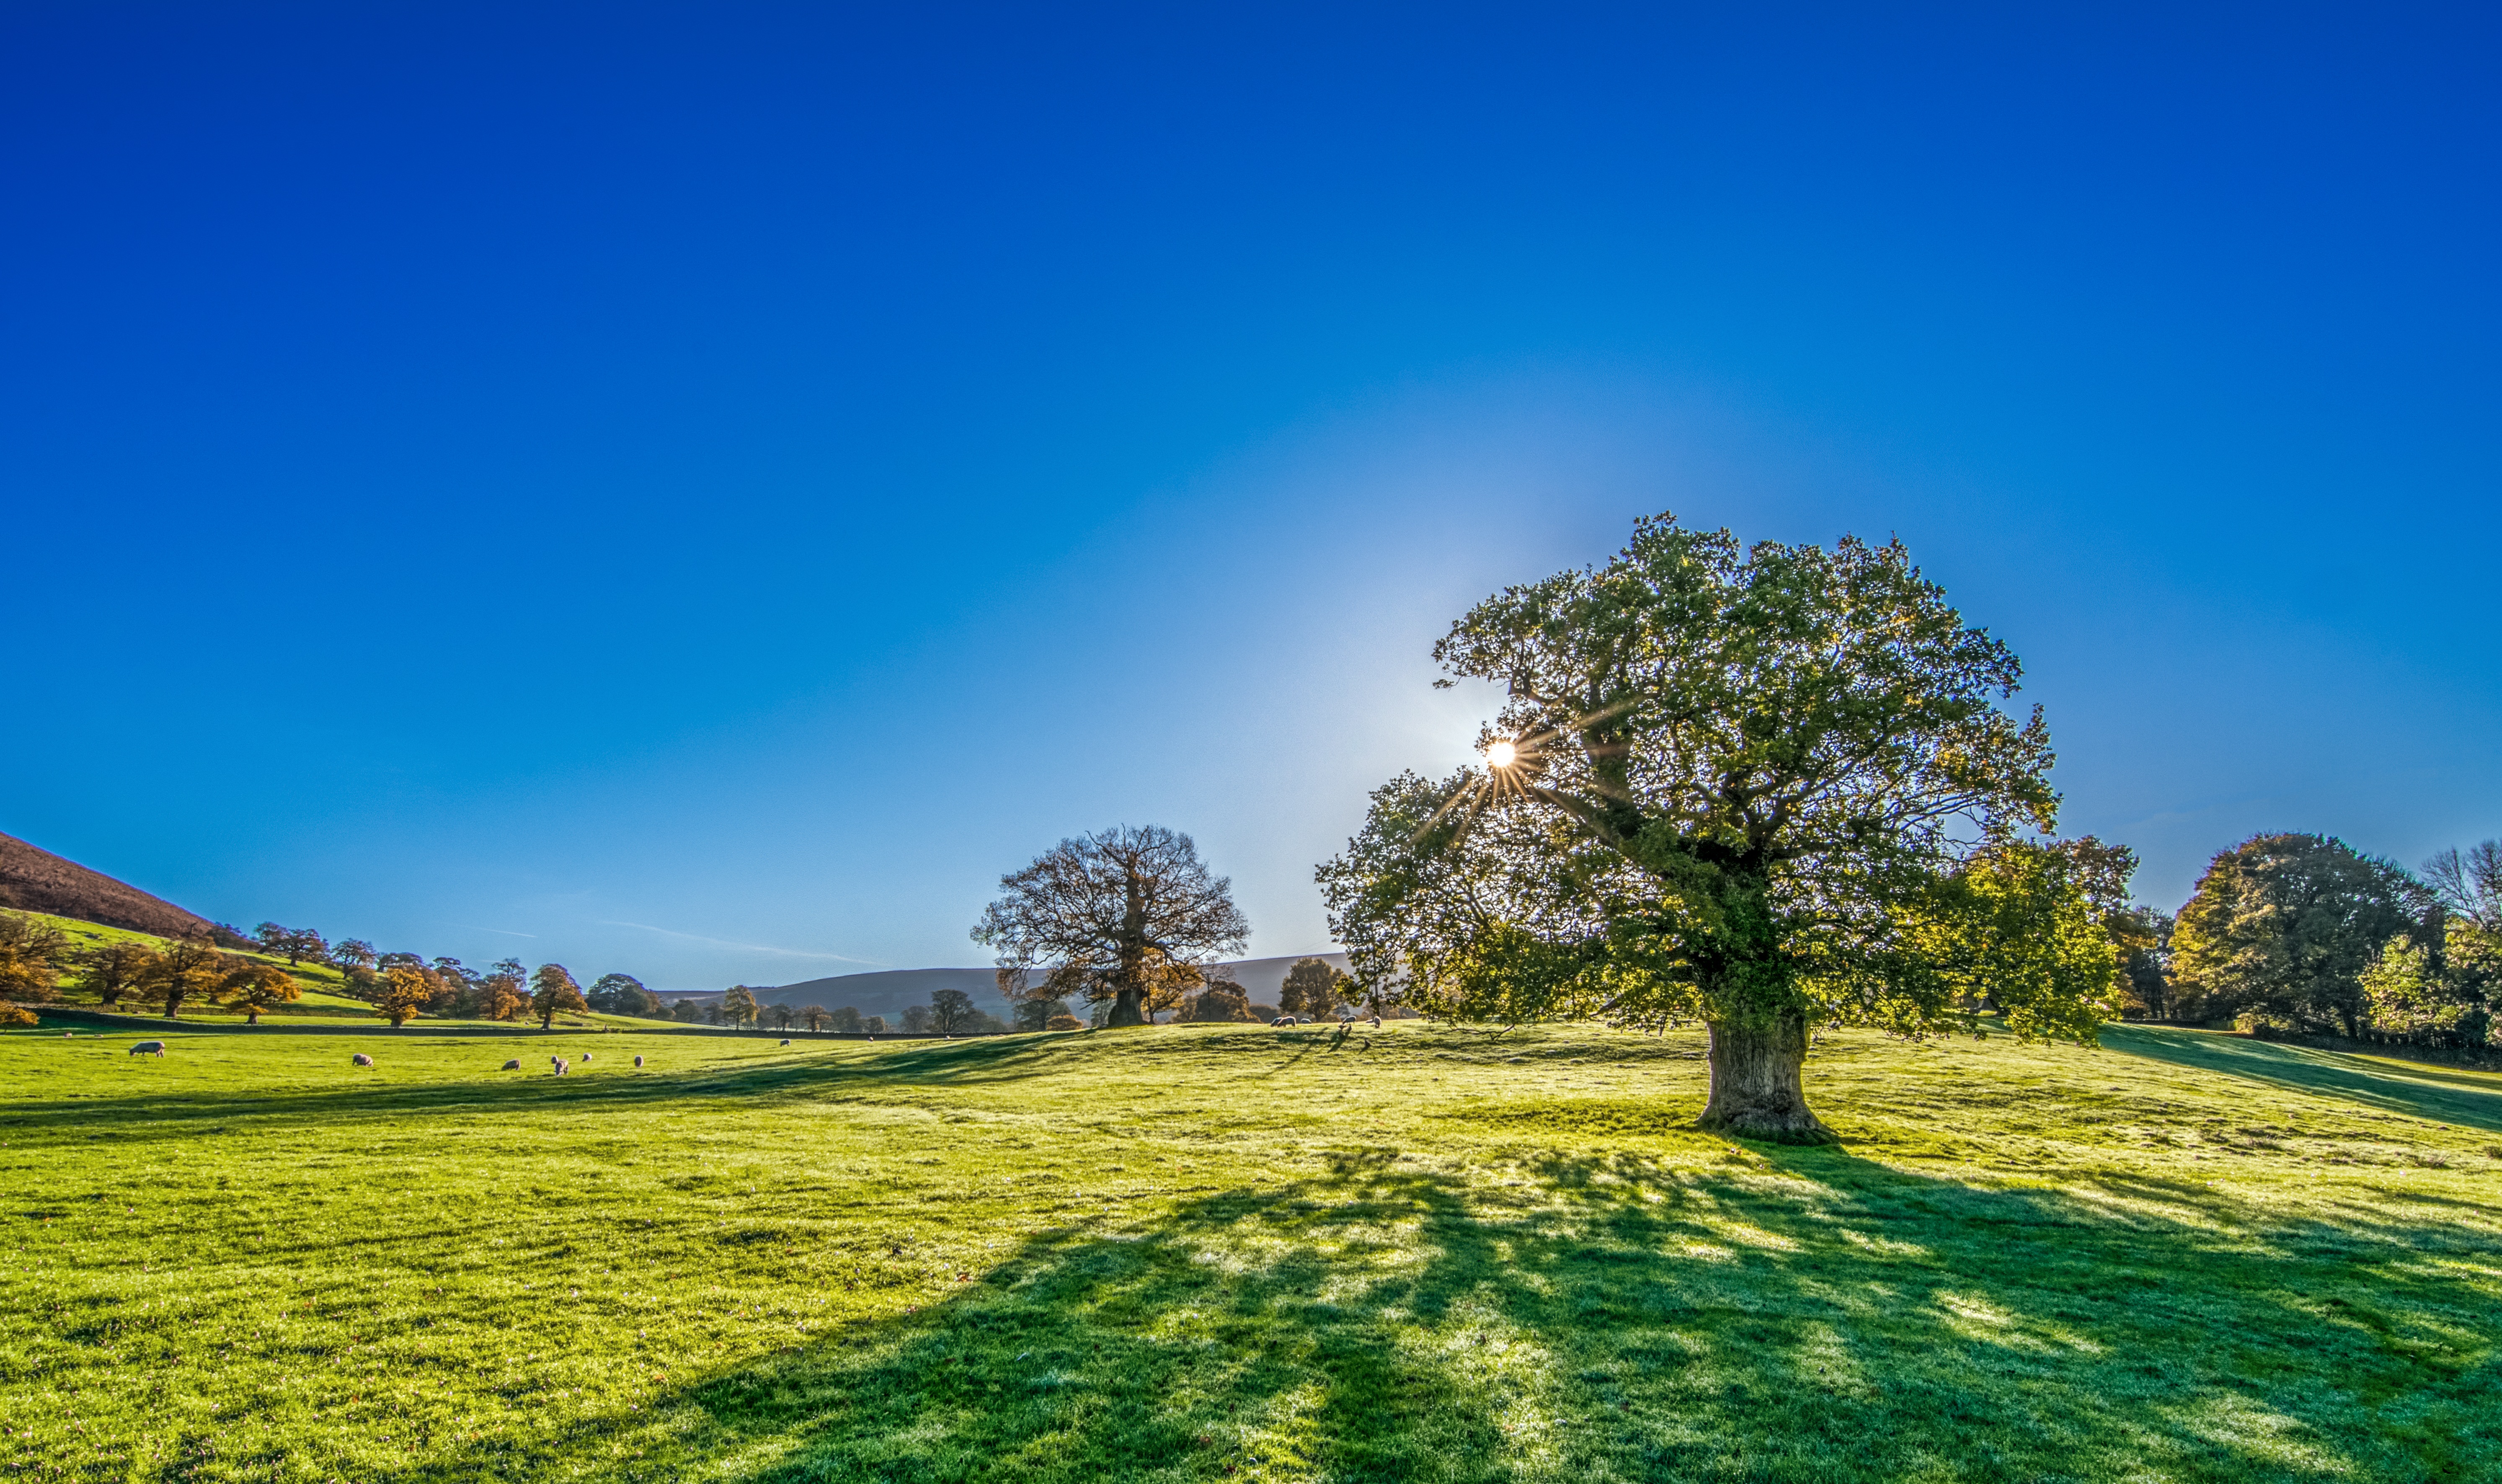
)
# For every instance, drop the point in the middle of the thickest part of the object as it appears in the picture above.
(1125, 914)
(1766, 788)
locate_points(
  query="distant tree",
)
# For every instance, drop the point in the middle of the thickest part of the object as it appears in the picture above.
(1264, 1013)
(915, 1020)
(2469, 883)
(293, 944)
(185, 969)
(952, 1013)
(1310, 988)
(686, 1012)
(1220, 1001)
(874, 1024)
(713, 1013)
(623, 995)
(782, 1016)
(406, 992)
(738, 1005)
(253, 987)
(552, 989)
(32, 952)
(351, 953)
(399, 961)
(1124, 915)
(1036, 1013)
(503, 994)
(1063, 1022)
(2143, 938)
(112, 969)
(2281, 928)
(272, 938)
(816, 1018)
(19, 1015)
(847, 1021)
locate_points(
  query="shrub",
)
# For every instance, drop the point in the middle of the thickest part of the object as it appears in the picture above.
(1063, 1022)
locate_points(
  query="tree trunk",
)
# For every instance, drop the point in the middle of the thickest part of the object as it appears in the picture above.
(1126, 1008)
(1755, 1081)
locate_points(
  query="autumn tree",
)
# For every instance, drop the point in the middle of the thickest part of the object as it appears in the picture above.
(1749, 786)
(32, 953)
(185, 969)
(1313, 989)
(253, 987)
(113, 969)
(1124, 915)
(783, 1015)
(738, 1005)
(552, 989)
(2281, 928)
(1223, 1000)
(816, 1018)
(405, 992)
(293, 944)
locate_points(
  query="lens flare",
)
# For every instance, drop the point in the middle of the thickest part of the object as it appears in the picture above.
(1500, 755)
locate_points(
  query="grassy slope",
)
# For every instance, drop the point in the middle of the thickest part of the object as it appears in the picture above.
(322, 988)
(1236, 1253)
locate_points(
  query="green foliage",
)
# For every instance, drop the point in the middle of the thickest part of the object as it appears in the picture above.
(2281, 928)
(952, 1013)
(1743, 787)
(1451, 1259)
(623, 995)
(1038, 1014)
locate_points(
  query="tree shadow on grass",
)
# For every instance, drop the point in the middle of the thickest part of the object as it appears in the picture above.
(2439, 1094)
(1799, 1314)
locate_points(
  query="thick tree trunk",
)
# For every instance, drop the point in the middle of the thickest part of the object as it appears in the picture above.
(1126, 1008)
(1755, 1081)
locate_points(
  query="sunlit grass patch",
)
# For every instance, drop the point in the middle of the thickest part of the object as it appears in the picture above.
(1235, 1254)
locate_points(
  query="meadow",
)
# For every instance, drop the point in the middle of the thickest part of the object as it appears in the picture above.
(1235, 1253)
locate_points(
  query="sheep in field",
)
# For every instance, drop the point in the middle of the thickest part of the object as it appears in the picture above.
(561, 1067)
(638, 1060)
(360, 1059)
(149, 1049)
(786, 1040)
(585, 1056)
(513, 1066)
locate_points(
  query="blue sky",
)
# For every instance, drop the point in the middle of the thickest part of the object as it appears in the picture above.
(702, 490)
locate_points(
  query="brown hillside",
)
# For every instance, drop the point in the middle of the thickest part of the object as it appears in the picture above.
(35, 880)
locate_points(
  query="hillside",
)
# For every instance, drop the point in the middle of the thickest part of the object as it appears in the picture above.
(33, 879)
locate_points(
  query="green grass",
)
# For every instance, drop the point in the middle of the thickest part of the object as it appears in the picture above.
(1232, 1253)
(324, 997)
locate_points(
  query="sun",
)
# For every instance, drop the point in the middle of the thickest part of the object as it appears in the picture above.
(1500, 755)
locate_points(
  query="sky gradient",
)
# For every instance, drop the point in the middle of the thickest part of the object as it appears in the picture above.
(701, 492)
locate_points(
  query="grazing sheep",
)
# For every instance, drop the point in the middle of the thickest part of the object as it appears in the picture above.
(360, 1059)
(638, 1060)
(786, 1040)
(556, 1060)
(513, 1066)
(148, 1049)
(585, 1056)
(561, 1067)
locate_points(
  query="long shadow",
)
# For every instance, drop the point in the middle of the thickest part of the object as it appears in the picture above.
(1807, 1314)
(2440, 1093)
(943, 1063)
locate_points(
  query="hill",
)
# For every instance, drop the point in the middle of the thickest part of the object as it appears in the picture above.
(33, 879)
(886, 991)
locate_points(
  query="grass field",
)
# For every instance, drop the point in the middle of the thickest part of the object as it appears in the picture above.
(1233, 1252)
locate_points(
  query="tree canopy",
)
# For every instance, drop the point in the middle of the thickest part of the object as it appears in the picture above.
(1126, 915)
(32, 952)
(2281, 928)
(553, 990)
(1766, 787)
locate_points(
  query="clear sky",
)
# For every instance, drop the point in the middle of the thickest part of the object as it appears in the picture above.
(702, 490)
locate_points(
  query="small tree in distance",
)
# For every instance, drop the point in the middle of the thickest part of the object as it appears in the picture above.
(404, 993)
(32, 952)
(738, 1006)
(552, 989)
(185, 969)
(783, 1016)
(112, 969)
(915, 1020)
(952, 1012)
(1125, 915)
(253, 987)
(816, 1018)
(1038, 1014)
(847, 1021)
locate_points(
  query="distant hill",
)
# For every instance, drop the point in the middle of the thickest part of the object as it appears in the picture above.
(35, 880)
(887, 991)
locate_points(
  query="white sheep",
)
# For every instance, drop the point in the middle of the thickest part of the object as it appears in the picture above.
(360, 1059)
(149, 1048)
(638, 1060)
(561, 1067)
(513, 1066)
